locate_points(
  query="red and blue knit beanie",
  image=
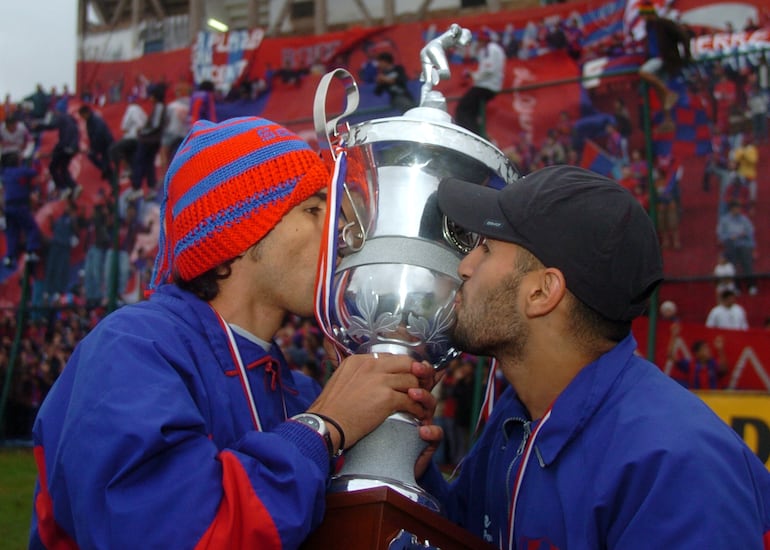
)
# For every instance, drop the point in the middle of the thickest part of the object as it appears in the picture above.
(228, 185)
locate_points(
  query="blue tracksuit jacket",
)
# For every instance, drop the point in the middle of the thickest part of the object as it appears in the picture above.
(146, 440)
(627, 459)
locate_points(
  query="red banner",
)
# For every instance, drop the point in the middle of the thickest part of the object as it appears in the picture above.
(747, 351)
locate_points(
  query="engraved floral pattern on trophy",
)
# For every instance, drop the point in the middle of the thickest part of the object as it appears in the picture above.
(425, 335)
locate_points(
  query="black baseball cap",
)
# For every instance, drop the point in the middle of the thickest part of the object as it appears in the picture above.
(586, 225)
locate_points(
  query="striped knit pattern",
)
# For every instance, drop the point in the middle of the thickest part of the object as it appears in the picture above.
(228, 185)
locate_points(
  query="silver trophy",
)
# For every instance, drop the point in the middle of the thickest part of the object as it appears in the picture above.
(393, 290)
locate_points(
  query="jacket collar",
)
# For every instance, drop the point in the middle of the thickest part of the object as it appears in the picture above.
(582, 398)
(203, 319)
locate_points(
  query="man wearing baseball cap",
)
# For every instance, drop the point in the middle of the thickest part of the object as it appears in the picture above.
(176, 422)
(591, 446)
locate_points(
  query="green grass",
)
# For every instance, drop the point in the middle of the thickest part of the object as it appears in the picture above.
(17, 483)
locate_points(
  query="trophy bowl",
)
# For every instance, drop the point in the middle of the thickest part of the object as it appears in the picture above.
(393, 289)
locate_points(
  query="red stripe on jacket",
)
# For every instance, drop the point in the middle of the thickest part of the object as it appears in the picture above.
(51, 535)
(242, 520)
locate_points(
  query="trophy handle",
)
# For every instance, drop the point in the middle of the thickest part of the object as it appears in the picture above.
(328, 129)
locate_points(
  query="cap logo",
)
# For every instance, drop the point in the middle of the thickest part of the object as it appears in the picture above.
(494, 224)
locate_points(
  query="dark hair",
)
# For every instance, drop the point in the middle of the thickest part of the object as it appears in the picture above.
(206, 285)
(157, 91)
(526, 261)
(726, 293)
(589, 324)
(84, 109)
(385, 56)
(697, 345)
(206, 86)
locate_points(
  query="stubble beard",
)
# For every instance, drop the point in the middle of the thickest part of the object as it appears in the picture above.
(492, 325)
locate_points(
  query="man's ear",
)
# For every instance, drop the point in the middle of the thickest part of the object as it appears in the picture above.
(545, 292)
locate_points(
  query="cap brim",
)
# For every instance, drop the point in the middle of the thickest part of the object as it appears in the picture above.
(474, 208)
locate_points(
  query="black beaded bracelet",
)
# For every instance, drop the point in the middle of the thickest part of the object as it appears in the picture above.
(334, 423)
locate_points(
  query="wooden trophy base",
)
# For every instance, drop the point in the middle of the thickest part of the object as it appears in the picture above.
(370, 519)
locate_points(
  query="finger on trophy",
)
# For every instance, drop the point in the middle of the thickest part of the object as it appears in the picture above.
(424, 398)
(432, 435)
(331, 352)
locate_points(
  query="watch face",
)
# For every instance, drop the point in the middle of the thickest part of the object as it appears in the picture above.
(316, 423)
(311, 421)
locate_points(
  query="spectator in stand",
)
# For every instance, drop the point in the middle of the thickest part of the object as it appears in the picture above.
(727, 313)
(64, 229)
(573, 34)
(100, 141)
(177, 125)
(701, 371)
(758, 109)
(15, 139)
(39, 101)
(552, 152)
(392, 78)
(763, 76)
(668, 52)
(746, 159)
(724, 272)
(487, 83)
(368, 71)
(616, 144)
(61, 102)
(148, 145)
(124, 150)
(97, 241)
(725, 96)
(19, 185)
(67, 146)
(7, 108)
(735, 233)
(526, 152)
(627, 178)
(639, 166)
(564, 130)
(734, 189)
(668, 176)
(130, 228)
(529, 46)
(141, 270)
(202, 104)
(717, 162)
(623, 122)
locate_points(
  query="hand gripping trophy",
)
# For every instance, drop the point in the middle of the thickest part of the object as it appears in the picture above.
(388, 274)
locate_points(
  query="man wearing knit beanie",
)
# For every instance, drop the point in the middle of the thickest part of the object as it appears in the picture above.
(177, 422)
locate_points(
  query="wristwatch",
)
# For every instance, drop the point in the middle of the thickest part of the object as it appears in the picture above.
(316, 423)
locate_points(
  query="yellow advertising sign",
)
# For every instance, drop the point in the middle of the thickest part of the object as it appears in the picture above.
(748, 413)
